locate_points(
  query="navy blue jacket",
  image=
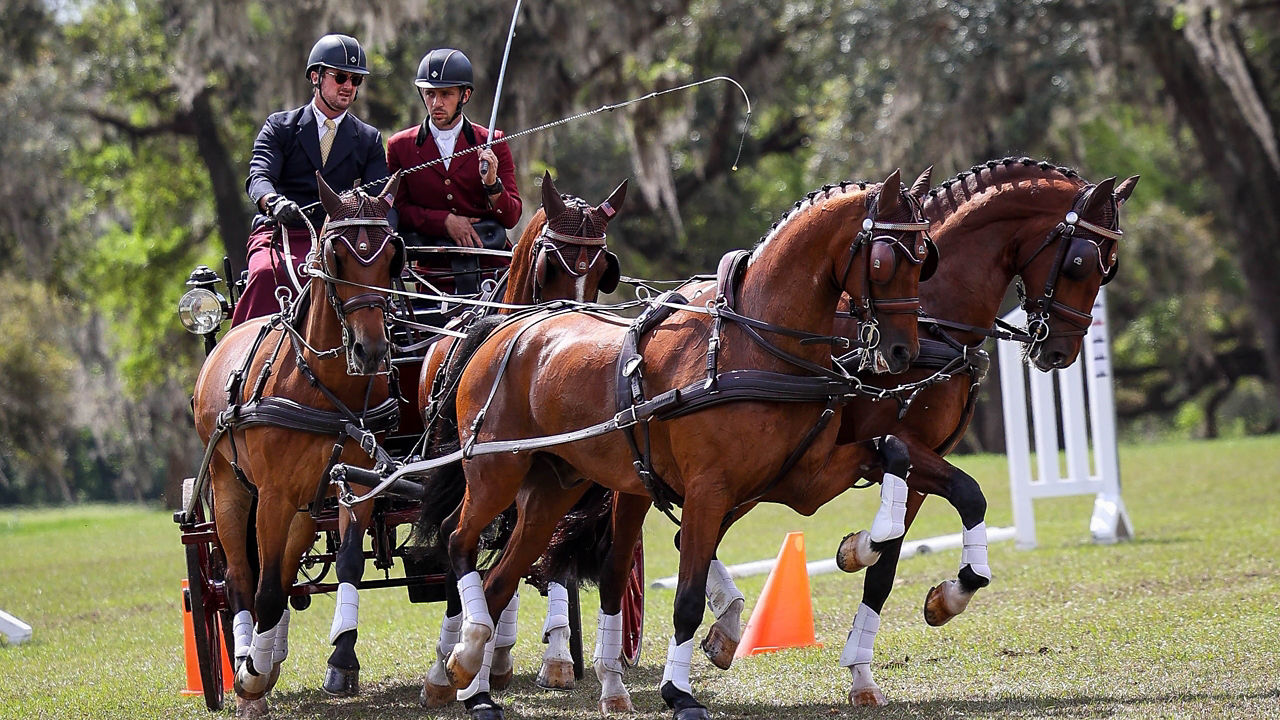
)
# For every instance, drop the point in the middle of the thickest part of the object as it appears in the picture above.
(286, 156)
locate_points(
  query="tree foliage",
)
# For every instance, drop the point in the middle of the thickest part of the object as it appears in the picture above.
(129, 125)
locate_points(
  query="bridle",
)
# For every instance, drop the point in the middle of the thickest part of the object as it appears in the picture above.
(553, 245)
(1040, 309)
(365, 254)
(881, 264)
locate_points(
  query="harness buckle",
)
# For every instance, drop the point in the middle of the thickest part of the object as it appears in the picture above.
(623, 421)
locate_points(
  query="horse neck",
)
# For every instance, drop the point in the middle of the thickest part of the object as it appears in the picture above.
(981, 240)
(521, 278)
(790, 281)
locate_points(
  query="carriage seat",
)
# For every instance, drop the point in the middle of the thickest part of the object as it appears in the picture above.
(458, 274)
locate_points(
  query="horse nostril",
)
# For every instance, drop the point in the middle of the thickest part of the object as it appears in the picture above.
(901, 354)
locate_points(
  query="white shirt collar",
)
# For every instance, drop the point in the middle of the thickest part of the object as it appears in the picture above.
(446, 140)
(321, 117)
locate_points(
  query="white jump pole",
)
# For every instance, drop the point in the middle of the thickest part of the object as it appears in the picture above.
(1080, 429)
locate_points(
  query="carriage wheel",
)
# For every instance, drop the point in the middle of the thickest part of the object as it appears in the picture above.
(633, 610)
(208, 629)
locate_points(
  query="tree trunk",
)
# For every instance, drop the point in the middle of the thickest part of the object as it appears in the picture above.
(228, 186)
(1209, 79)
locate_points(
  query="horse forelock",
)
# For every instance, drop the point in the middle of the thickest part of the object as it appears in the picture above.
(802, 208)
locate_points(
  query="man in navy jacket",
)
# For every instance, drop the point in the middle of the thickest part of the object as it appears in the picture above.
(292, 145)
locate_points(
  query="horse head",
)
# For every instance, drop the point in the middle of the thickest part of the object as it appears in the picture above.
(359, 254)
(1062, 278)
(568, 256)
(882, 273)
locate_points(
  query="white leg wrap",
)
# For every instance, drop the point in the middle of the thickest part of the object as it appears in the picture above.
(862, 639)
(281, 650)
(721, 592)
(450, 631)
(608, 652)
(474, 606)
(262, 650)
(890, 519)
(557, 609)
(679, 658)
(346, 613)
(242, 631)
(481, 682)
(975, 550)
(505, 633)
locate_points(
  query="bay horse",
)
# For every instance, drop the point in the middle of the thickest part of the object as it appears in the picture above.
(1012, 218)
(270, 400)
(564, 257)
(1003, 219)
(549, 374)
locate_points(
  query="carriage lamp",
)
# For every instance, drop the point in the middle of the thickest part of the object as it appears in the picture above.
(201, 309)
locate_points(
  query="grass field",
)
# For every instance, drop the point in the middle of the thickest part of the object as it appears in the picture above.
(1183, 622)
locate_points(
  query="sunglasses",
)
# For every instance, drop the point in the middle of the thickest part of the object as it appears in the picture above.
(341, 78)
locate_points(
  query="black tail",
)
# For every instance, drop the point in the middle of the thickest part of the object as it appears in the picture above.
(444, 486)
(581, 540)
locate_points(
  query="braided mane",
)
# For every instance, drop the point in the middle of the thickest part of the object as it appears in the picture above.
(791, 212)
(951, 193)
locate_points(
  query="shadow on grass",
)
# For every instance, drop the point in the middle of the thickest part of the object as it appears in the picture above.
(397, 700)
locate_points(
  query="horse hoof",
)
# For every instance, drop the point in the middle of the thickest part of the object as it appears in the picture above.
(486, 711)
(867, 697)
(855, 552)
(944, 602)
(556, 675)
(341, 683)
(249, 686)
(458, 675)
(617, 705)
(500, 681)
(255, 708)
(719, 647)
(436, 696)
(692, 713)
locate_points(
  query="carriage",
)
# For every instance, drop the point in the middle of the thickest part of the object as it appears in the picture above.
(428, 298)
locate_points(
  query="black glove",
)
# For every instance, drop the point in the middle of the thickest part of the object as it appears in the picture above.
(285, 211)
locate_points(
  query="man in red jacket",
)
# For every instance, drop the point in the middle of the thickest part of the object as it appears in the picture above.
(453, 202)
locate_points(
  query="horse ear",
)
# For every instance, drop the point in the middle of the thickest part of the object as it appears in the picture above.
(922, 183)
(1100, 198)
(388, 195)
(551, 200)
(328, 198)
(613, 205)
(891, 193)
(1125, 189)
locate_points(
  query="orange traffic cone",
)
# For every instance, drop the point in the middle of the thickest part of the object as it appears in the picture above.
(783, 617)
(194, 685)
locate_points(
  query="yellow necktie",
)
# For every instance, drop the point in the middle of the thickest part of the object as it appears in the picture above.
(326, 141)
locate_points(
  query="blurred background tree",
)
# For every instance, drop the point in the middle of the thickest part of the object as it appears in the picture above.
(129, 125)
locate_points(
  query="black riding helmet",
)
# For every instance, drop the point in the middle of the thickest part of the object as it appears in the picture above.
(340, 52)
(444, 67)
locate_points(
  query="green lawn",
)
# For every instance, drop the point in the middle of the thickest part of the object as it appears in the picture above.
(1182, 622)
